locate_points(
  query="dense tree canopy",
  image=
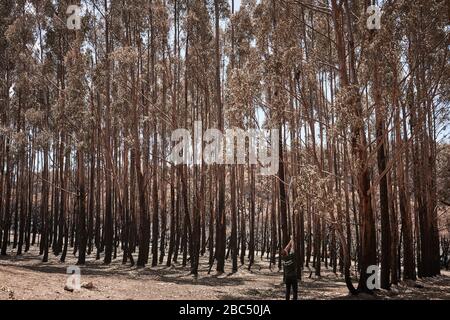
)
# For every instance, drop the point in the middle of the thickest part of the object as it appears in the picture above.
(86, 118)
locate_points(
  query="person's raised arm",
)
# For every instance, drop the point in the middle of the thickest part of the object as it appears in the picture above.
(289, 245)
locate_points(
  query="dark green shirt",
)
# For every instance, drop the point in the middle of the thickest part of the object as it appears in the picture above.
(289, 266)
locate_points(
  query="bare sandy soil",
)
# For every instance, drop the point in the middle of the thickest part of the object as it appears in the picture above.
(26, 277)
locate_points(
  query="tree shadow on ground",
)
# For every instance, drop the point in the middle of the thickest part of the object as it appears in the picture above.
(175, 274)
(277, 290)
(212, 281)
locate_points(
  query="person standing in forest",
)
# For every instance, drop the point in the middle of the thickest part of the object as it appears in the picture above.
(290, 270)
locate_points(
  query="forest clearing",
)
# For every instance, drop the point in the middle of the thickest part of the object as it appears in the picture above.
(225, 149)
(26, 277)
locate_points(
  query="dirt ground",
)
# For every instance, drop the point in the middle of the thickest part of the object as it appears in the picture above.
(26, 277)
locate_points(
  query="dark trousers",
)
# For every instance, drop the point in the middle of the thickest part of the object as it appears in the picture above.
(294, 284)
